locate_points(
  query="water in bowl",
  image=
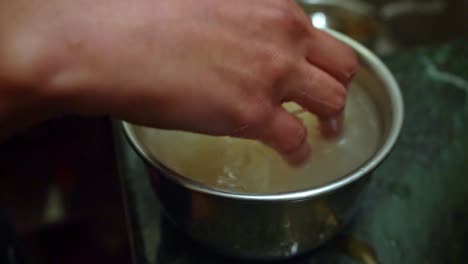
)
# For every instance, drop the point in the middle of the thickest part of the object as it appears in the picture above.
(241, 165)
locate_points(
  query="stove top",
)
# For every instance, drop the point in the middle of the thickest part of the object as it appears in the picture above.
(416, 206)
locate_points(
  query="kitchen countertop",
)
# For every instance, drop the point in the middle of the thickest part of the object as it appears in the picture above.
(416, 209)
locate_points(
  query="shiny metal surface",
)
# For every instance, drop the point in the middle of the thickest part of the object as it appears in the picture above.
(355, 18)
(281, 225)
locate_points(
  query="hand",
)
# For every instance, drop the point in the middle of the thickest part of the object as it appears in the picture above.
(208, 66)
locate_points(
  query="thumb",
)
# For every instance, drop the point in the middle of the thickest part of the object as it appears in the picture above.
(286, 134)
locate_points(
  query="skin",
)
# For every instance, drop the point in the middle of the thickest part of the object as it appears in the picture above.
(208, 66)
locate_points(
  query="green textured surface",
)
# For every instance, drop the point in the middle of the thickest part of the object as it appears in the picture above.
(418, 199)
(416, 209)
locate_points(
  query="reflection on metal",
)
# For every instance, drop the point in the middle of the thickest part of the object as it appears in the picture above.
(319, 20)
(356, 19)
(355, 6)
(358, 250)
(329, 217)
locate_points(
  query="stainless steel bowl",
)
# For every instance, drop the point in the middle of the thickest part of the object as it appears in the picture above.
(281, 225)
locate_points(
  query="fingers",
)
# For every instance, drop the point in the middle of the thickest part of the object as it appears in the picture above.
(321, 94)
(286, 134)
(316, 91)
(332, 56)
(332, 127)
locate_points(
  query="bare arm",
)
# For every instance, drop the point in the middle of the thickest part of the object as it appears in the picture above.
(24, 99)
(206, 66)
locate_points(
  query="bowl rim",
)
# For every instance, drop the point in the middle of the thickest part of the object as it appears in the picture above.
(396, 99)
(358, 7)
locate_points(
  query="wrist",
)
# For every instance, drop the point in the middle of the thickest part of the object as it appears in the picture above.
(26, 71)
(42, 69)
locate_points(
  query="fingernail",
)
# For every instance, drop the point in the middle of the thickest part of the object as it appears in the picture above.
(331, 128)
(348, 79)
(300, 156)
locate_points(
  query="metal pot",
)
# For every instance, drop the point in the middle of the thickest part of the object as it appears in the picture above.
(281, 225)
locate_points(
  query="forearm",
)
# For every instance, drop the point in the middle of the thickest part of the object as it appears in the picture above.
(31, 64)
(74, 57)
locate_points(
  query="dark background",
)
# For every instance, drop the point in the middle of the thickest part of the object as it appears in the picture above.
(60, 190)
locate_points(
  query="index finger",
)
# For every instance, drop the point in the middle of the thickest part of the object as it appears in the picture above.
(332, 56)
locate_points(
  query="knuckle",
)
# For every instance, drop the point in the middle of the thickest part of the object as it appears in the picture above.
(339, 101)
(351, 63)
(274, 64)
(253, 113)
(349, 66)
(294, 142)
(288, 19)
(336, 102)
(334, 110)
(278, 67)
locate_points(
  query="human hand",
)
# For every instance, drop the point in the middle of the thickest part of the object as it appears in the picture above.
(207, 66)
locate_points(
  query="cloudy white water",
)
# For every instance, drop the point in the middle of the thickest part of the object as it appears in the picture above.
(248, 166)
